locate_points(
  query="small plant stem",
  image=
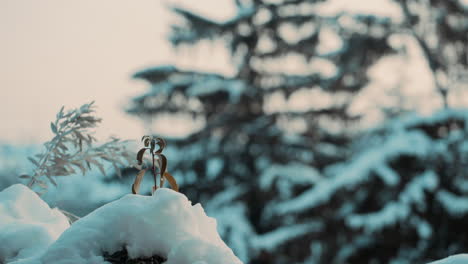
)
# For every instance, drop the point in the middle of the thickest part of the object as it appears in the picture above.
(45, 158)
(154, 172)
(161, 180)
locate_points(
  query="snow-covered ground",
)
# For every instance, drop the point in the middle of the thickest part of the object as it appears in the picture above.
(94, 189)
(455, 259)
(165, 224)
(27, 224)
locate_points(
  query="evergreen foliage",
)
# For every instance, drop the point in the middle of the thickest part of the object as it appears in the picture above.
(400, 199)
(281, 181)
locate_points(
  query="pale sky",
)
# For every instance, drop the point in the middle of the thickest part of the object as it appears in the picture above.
(68, 52)
(64, 52)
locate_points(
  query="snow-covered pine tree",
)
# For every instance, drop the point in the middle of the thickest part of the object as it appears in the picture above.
(252, 152)
(245, 137)
(254, 156)
(402, 198)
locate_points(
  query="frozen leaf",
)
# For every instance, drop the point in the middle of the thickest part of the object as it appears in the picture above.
(53, 127)
(33, 161)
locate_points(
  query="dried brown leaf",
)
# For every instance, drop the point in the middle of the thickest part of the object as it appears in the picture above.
(140, 155)
(137, 182)
(163, 163)
(171, 181)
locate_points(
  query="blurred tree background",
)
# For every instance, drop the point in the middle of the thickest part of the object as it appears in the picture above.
(283, 161)
(322, 145)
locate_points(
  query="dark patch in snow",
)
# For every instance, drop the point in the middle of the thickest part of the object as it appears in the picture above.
(121, 257)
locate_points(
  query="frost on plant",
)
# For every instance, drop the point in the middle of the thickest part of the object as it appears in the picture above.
(73, 148)
(158, 164)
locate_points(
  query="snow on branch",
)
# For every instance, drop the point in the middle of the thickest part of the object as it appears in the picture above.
(347, 175)
(197, 27)
(453, 204)
(272, 240)
(399, 210)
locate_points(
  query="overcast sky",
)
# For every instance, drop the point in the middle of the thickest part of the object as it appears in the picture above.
(64, 52)
(68, 52)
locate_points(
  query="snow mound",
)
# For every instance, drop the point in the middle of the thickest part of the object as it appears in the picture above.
(455, 259)
(165, 224)
(27, 224)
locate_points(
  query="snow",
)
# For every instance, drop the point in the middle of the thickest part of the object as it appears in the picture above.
(93, 189)
(23, 216)
(271, 240)
(454, 205)
(347, 175)
(214, 167)
(387, 175)
(351, 248)
(455, 259)
(435, 118)
(294, 172)
(194, 84)
(212, 85)
(165, 224)
(234, 225)
(12, 162)
(398, 211)
(225, 197)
